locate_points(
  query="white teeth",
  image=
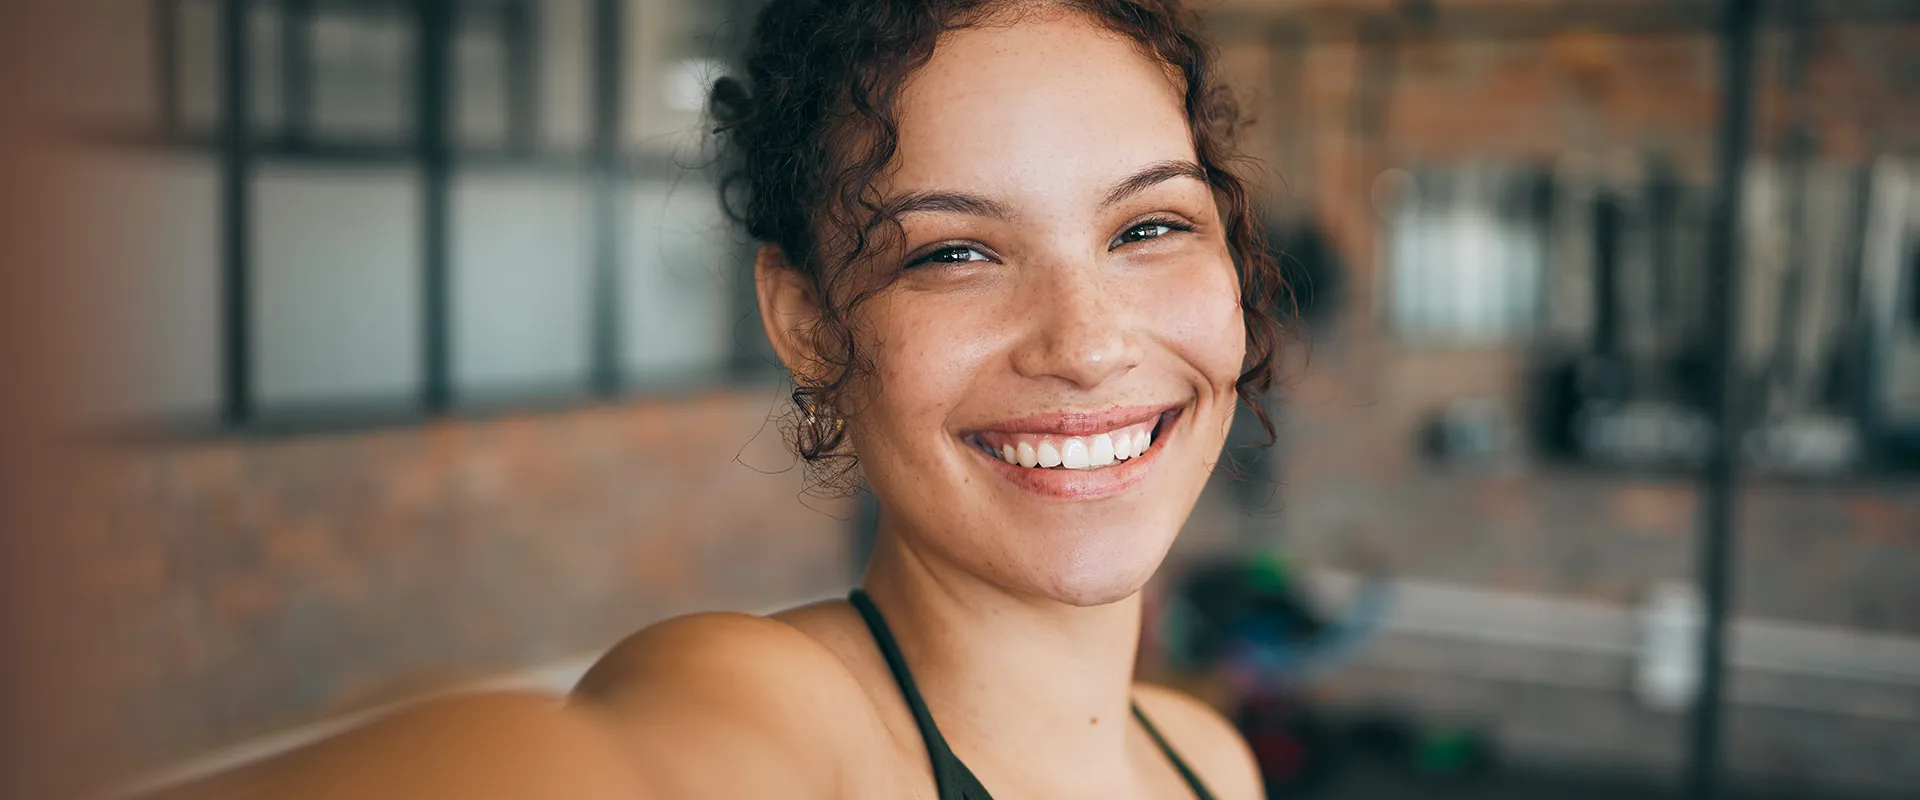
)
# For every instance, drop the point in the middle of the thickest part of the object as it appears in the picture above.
(1101, 453)
(1074, 455)
(1075, 452)
(1048, 456)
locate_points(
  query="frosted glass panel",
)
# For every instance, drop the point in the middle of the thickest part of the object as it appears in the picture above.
(679, 317)
(520, 287)
(337, 299)
(670, 64)
(159, 280)
(480, 99)
(363, 74)
(564, 85)
(198, 48)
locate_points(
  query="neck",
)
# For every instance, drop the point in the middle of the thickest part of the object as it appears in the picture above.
(1007, 676)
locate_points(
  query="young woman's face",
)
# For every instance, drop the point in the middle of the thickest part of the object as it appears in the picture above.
(1056, 352)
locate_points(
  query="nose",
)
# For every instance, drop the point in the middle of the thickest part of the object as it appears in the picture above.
(1081, 335)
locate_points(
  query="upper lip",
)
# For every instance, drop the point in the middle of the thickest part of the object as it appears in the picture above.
(1080, 423)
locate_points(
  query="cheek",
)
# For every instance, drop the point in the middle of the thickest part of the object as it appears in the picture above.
(923, 354)
(1197, 312)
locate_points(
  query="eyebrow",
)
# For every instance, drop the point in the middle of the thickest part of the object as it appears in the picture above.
(980, 206)
(1155, 173)
(951, 203)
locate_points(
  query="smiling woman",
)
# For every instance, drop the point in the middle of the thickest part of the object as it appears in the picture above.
(1008, 266)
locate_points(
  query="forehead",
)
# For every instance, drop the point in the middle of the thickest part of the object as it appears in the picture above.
(1045, 103)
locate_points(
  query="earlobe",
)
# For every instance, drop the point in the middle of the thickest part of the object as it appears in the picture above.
(789, 309)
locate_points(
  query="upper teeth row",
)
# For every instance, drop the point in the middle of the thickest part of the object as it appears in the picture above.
(1077, 452)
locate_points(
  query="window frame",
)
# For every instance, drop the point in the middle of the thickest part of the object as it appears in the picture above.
(609, 167)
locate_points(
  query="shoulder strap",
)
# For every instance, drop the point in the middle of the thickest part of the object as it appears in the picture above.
(1193, 780)
(950, 776)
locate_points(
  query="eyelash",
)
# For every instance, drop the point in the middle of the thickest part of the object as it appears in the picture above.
(1172, 225)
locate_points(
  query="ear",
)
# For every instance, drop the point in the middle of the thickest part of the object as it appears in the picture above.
(789, 308)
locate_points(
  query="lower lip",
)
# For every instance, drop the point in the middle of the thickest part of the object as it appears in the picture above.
(1084, 484)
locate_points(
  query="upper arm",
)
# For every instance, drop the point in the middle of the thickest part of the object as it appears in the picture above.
(498, 746)
(718, 706)
(1205, 740)
(728, 705)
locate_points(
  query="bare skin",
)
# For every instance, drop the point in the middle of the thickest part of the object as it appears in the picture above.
(1086, 271)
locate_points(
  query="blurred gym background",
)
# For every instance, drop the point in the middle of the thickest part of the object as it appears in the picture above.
(365, 349)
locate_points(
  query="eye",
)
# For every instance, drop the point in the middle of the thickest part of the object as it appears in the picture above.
(1150, 229)
(952, 254)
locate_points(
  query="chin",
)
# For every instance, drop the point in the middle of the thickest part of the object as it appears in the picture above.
(1106, 570)
(1091, 594)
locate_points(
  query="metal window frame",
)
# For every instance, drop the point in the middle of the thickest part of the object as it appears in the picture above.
(236, 212)
(608, 91)
(432, 144)
(434, 76)
(514, 21)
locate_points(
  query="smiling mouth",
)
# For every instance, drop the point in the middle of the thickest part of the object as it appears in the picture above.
(1081, 451)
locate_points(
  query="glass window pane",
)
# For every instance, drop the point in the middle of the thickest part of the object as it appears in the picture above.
(563, 84)
(161, 271)
(480, 70)
(337, 285)
(363, 73)
(522, 257)
(679, 310)
(672, 58)
(197, 46)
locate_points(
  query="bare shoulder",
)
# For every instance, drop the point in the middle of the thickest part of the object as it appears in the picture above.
(721, 651)
(747, 703)
(1204, 739)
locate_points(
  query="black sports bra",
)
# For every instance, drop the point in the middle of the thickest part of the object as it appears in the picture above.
(954, 780)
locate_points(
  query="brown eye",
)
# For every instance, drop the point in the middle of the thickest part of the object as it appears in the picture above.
(1151, 229)
(957, 254)
(1141, 233)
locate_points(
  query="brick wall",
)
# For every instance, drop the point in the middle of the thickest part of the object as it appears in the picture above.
(250, 585)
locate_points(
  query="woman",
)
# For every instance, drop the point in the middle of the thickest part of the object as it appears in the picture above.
(1011, 273)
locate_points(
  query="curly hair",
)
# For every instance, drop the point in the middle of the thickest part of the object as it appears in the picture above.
(809, 124)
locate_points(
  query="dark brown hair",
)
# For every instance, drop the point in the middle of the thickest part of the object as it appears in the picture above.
(809, 124)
